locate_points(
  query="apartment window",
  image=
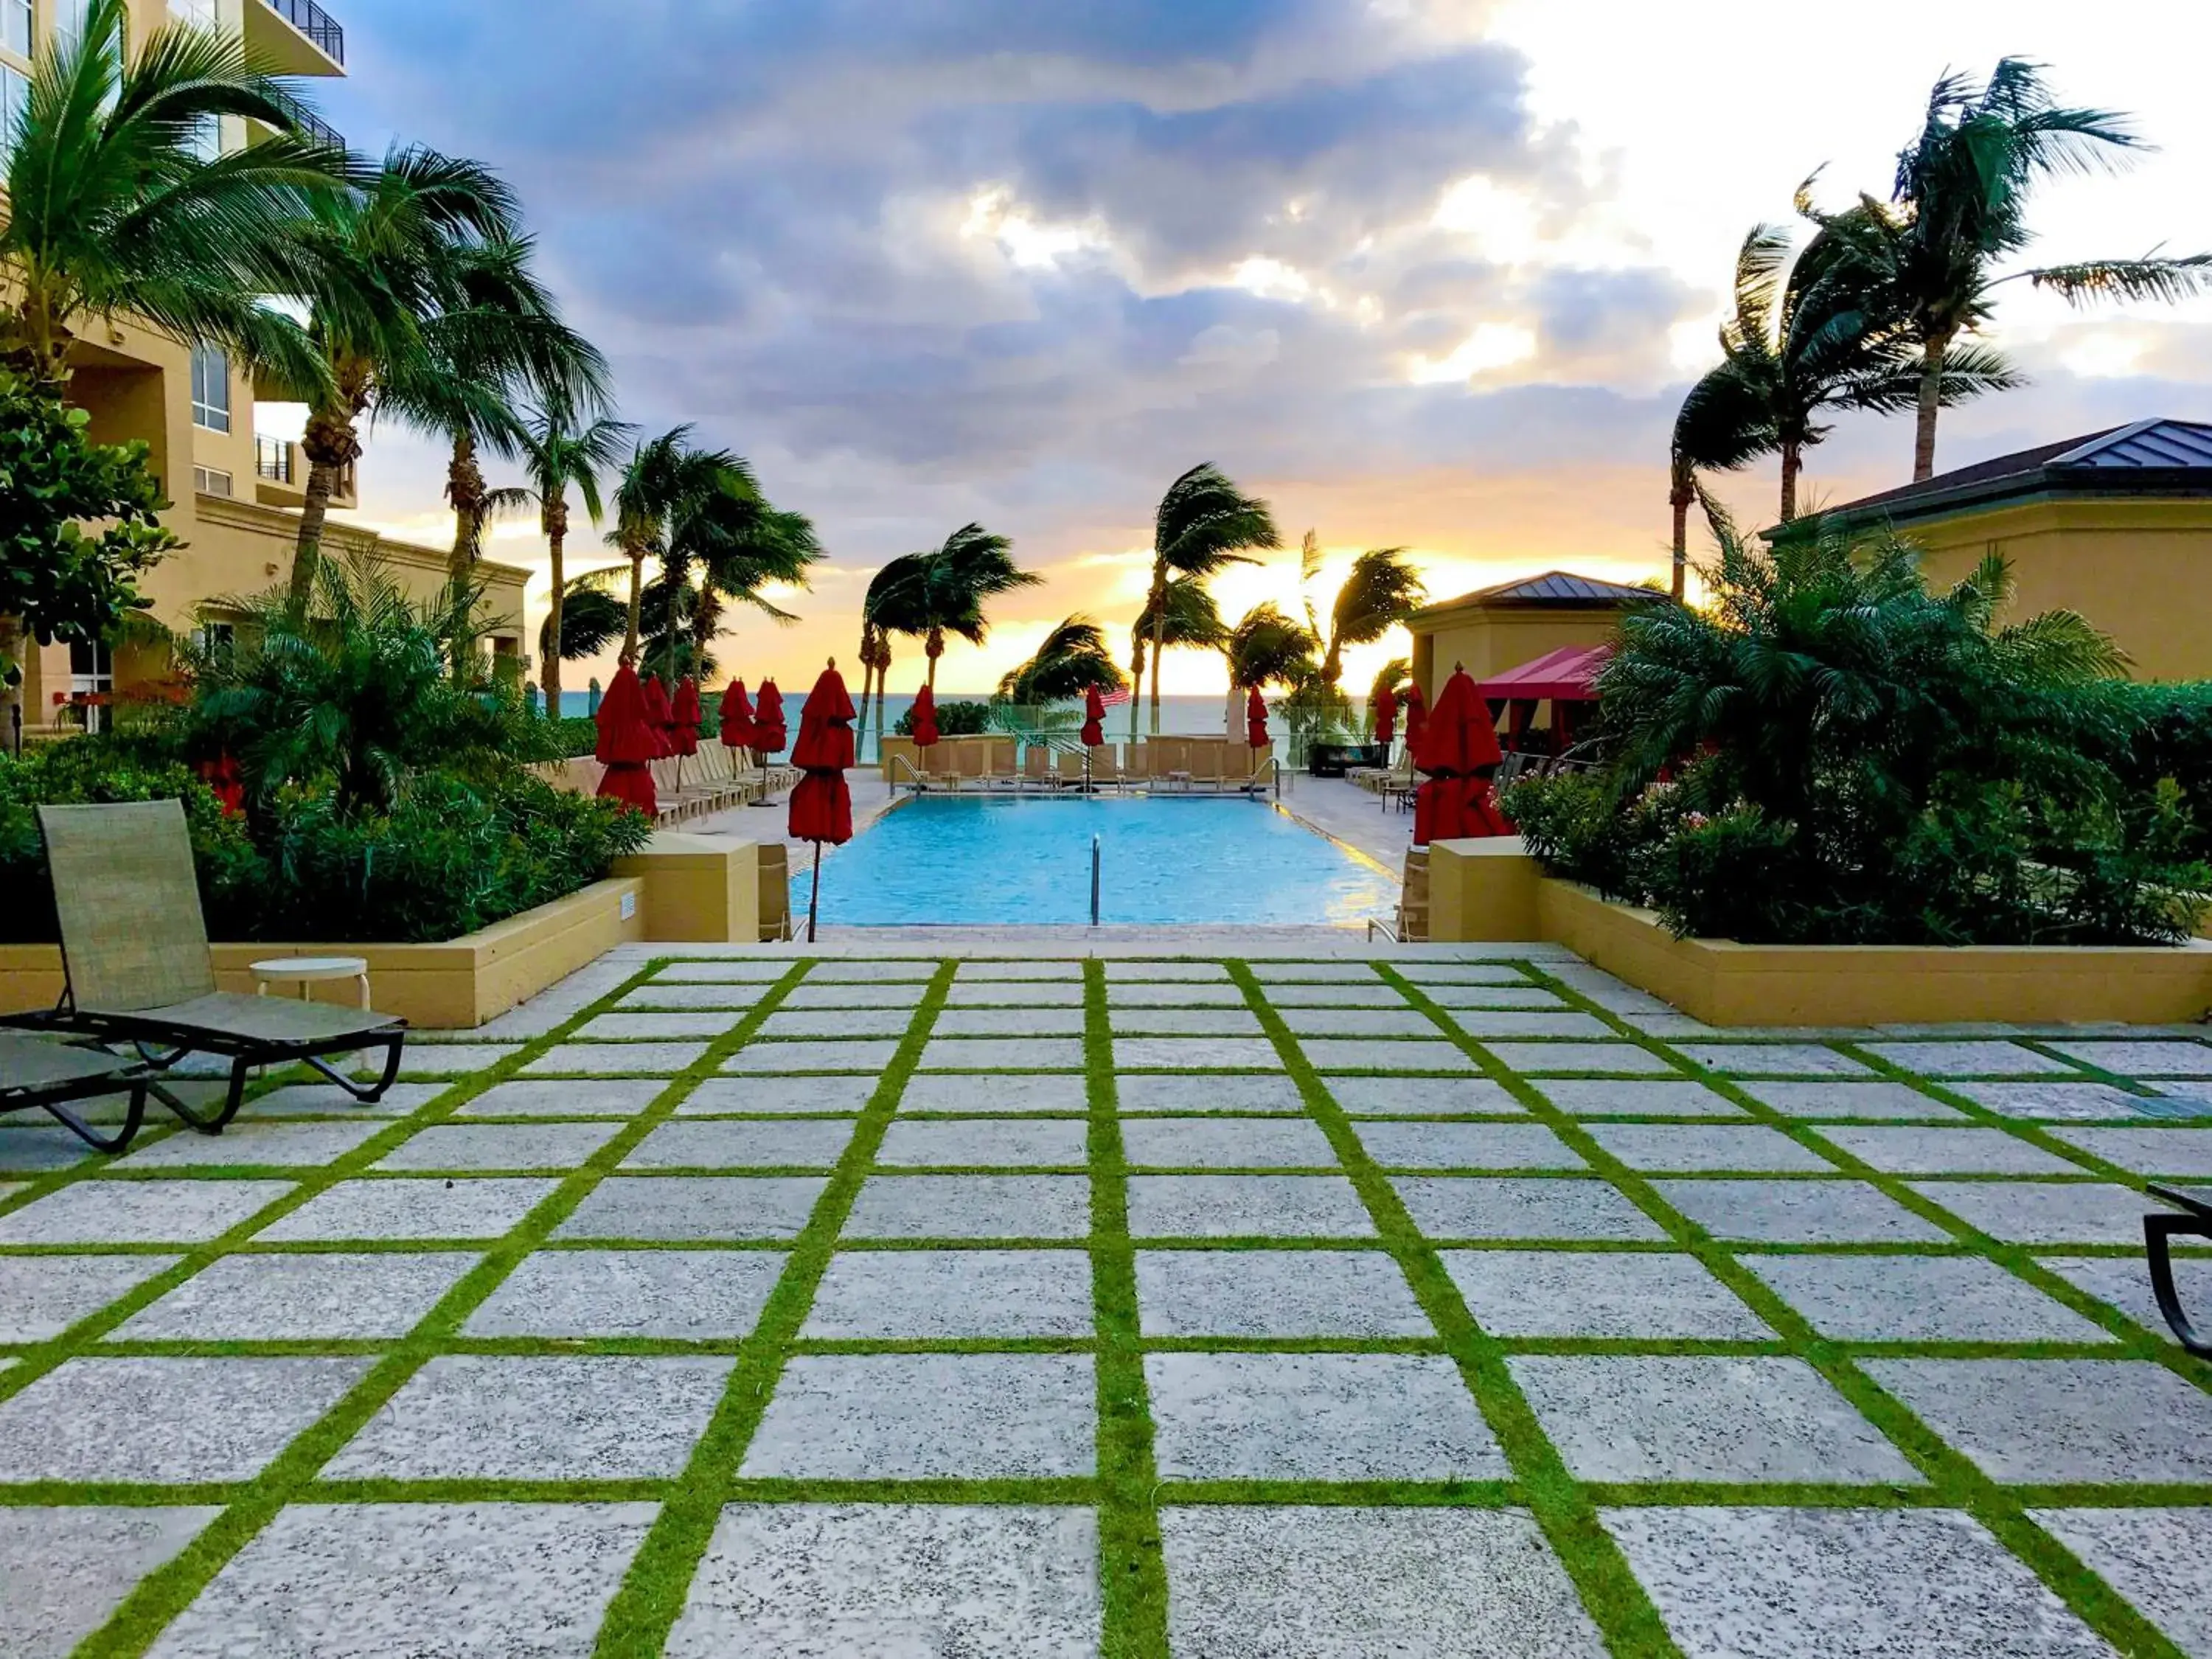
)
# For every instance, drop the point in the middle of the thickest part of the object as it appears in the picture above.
(69, 20)
(92, 682)
(15, 94)
(210, 389)
(211, 481)
(201, 13)
(17, 26)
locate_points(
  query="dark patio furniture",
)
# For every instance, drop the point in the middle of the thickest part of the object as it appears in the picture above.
(39, 1073)
(2160, 1229)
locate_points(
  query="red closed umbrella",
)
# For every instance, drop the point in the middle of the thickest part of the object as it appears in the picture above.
(925, 718)
(688, 716)
(1458, 749)
(1094, 712)
(1255, 720)
(1386, 717)
(658, 717)
(768, 721)
(821, 804)
(1417, 715)
(736, 716)
(626, 743)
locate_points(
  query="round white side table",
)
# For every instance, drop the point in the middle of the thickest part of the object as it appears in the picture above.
(308, 971)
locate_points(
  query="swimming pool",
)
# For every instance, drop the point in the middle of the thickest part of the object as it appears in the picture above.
(981, 860)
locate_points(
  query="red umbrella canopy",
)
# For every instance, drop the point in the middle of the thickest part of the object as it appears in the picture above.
(1255, 720)
(1417, 714)
(1094, 711)
(768, 720)
(658, 718)
(821, 804)
(1456, 747)
(925, 717)
(1386, 715)
(686, 717)
(626, 743)
(736, 716)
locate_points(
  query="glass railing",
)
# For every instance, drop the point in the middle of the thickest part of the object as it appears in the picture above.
(317, 25)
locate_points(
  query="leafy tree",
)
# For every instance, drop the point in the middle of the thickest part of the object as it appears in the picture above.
(1204, 524)
(79, 524)
(1269, 648)
(1381, 590)
(112, 209)
(386, 265)
(589, 620)
(562, 452)
(1720, 428)
(1189, 618)
(1926, 260)
(1072, 658)
(956, 717)
(948, 590)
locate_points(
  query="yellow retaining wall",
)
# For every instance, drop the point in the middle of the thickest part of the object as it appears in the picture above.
(458, 984)
(1477, 885)
(698, 889)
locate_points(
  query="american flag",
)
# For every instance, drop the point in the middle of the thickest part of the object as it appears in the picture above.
(1114, 699)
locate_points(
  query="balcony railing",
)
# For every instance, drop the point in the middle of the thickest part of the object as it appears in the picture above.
(317, 25)
(313, 126)
(275, 460)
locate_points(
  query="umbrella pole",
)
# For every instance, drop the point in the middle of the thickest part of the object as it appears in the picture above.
(814, 894)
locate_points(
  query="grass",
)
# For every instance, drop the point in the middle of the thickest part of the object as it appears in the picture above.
(1126, 1489)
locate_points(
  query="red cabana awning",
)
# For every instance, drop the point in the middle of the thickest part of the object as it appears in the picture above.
(1566, 675)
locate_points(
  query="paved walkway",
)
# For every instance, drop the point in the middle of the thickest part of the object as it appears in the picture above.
(777, 1305)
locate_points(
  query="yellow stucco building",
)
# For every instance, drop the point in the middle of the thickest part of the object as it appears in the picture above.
(1499, 628)
(2116, 524)
(235, 492)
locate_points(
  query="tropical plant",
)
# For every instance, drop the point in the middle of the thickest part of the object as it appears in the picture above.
(560, 452)
(956, 717)
(1382, 590)
(1720, 428)
(1269, 648)
(1391, 678)
(590, 619)
(1925, 261)
(113, 210)
(79, 525)
(1203, 525)
(1071, 660)
(385, 264)
(741, 546)
(947, 590)
(1834, 753)
(1187, 616)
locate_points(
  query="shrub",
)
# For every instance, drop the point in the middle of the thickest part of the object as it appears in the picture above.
(957, 719)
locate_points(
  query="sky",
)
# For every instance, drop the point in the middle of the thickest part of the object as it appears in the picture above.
(1422, 273)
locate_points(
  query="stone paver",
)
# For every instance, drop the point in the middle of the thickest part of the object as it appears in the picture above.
(862, 1277)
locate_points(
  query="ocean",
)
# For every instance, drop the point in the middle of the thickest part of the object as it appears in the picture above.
(1179, 716)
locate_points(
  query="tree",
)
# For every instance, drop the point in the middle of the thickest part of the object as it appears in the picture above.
(111, 209)
(1927, 258)
(1204, 524)
(876, 643)
(559, 454)
(587, 620)
(79, 525)
(1799, 343)
(1381, 591)
(647, 494)
(1189, 618)
(719, 524)
(1071, 660)
(383, 264)
(1719, 428)
(947, 590)
(1269, 648)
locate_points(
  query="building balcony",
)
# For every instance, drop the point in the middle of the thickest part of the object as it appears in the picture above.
(280, 474)
(297, 37)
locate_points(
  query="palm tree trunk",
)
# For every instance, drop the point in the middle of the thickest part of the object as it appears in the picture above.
(675, 611)
(1793, 462)
(1136, 686)
(637, 596)
(1159, 636)
(882, 680)
(556, 536)
(464, 488)
(330, 445)
(1680, 503)
(1931, 399)
(933, 647)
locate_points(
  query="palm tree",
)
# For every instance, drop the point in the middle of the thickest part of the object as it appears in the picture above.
(742, 546)
(1204, 524)
(586, 621)
(1269, 648)
(1072, 658)
(651, 481)
(1719, 428)
(111, 209)
(386, 263)
(559, 453)
(946, 590)
(876, 643)
(1381, 591)
(1189, 618)
(1926, 259)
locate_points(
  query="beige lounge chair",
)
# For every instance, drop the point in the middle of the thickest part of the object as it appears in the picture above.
(1037, 766)
(972, 762)
(137, 968)
(1105, 765)
(1137, 762)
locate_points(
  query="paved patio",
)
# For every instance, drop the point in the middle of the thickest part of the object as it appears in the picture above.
(769, 1304)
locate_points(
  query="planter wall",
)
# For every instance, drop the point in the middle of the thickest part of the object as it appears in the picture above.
(1490, 890)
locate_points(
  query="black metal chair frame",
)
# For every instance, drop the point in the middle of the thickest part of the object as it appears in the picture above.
(53, 1098)
(2160, 1228)
(160, 1045)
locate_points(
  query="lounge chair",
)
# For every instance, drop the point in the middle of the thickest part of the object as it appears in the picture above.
(37, 1072)
(1037, 766)
(2159, 1228)
(1105, 766)
(972, 762)
(1137, 762)
(138, 969)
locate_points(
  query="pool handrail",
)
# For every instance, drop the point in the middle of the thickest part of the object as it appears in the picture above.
(920, 784)
(1272, 764)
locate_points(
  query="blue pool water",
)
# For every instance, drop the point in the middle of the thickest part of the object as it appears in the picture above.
(979, 861)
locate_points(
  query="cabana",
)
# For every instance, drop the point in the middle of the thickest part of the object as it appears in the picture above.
(1566, 678)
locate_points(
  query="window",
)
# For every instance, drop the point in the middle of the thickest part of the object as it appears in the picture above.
(92, 682)
(16, 25)
(69, 20)
(201, 13)
(206, 139)
(15, 94)
(211, 481)
(210, 389)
